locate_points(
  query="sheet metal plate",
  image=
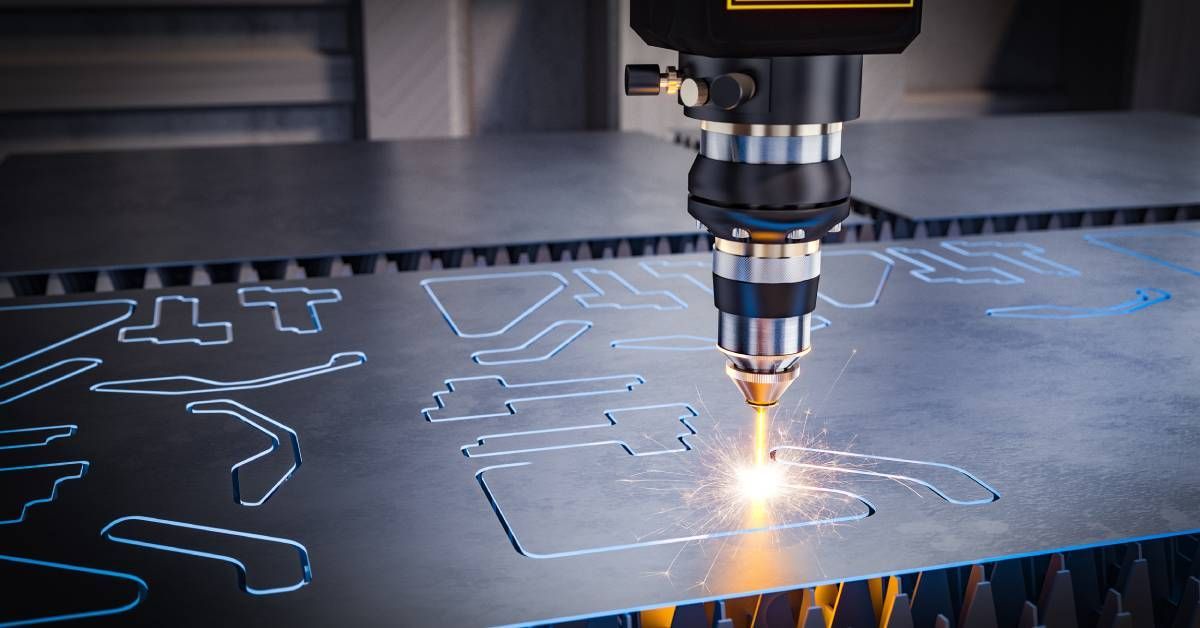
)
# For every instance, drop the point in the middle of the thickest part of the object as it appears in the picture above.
(89, 211)
(1075, 401)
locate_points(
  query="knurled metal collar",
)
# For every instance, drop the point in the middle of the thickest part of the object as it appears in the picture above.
(771, 130)
(758, 249)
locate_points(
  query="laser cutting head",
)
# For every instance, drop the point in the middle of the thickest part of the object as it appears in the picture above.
(771, 83)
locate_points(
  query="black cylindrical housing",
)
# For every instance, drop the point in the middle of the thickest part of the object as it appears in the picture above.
(787, 90)
(765, 300)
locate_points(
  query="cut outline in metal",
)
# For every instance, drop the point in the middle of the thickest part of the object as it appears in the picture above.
(627, 343)
(83, 469)
(923, 269)
(891, 476)
(520, 548)
(1029, 251)
(889, 265)
(215, 386)
(305, 565)
(70, 429)
(196, 407)
(584, 326)
(637, 380)
(1143, 300)
(1101, 240)
(650, 267)
(195, 303)
(143, 590)
(597, 291)
(311, 304)
(425, 283)
(682, 436)
(88, 364)
(50, 306)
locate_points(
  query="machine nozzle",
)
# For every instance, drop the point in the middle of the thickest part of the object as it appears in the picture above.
(762, 380)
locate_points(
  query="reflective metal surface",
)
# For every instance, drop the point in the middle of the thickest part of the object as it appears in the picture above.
(465, 441)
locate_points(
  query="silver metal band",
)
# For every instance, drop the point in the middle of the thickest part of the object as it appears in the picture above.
(763, 336)
(757, 149)
(766, 269)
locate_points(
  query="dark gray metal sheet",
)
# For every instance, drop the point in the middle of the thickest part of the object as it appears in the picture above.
(584, 405)
(1026, 164)
(90, 211)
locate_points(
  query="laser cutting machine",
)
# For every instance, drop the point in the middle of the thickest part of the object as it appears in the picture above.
(771, 82)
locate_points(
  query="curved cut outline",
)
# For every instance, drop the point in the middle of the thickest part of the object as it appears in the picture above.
(652, 269)
(88, 364)
(70, 431)
(923, 270)
(83, 469)
(584, 326)
(682, 436)
(197, 407)
(143, 590)
(633, 382)
(87, 332)
(1100, 240)
(890, 265)
(517, 545)
(597, 291)
(1143, 300)
(892, 476)
(215, 386)
(195, 303)
(335, 296)
(628, 343)
(425, 283)
(1029, 251)
(305, 565)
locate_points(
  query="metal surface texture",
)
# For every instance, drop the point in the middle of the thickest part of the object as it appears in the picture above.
(89, 211)
(510, 446)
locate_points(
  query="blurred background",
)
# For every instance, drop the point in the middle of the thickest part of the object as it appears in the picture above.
(101, 74)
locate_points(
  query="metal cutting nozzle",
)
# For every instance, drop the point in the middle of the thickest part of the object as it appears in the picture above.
(762, 380)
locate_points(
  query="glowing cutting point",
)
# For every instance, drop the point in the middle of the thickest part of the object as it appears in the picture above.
(760, 436)
(760, 482)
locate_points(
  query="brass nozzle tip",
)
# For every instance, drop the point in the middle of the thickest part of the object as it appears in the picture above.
(762, 390)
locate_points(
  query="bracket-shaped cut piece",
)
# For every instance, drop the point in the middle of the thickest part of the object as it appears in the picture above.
(19, 482)
(933, 268)
(511, 298)
(40, 592)
(122, 308)
(611, 290)
(45, 377)
(640, 431)
(543, 346)
(484, 396)
(853, 295)
(695, 272)
(666, 343)
(191, 385)
(35, 436)
(201, 541)
(1028, 256)
(264, 296)
(288, 458)
(1144, 299)
(167, 330)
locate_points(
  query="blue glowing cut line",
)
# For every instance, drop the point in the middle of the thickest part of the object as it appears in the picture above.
(329, 295)
(1145, 298)
(142, 590)
(1101, 240)
(87, 365)
(122, 335)
(1040, 265)
(244, 414)
(597, 291)
(653, 269)
(58, 431)
(608, 414)
(512, 536)
(818, 322)
(132, 305)
(924, 270)
(83, 469)
(237, 564)
(426, 283)
(629, 383)
(130, 386)
(649, 343)
(887, 272)
(892, 476)
(479, 357)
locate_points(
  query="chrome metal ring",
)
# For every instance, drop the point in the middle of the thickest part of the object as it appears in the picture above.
(766, 269)
(764, 336)
(751, 149)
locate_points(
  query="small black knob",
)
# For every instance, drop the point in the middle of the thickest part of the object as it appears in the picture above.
(730, 90)
(642, 80)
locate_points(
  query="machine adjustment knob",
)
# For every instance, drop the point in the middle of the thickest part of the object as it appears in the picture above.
(693, 92)
(642, 80)
(728, 91)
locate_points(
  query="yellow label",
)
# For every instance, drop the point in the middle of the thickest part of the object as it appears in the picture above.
(736, 5)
